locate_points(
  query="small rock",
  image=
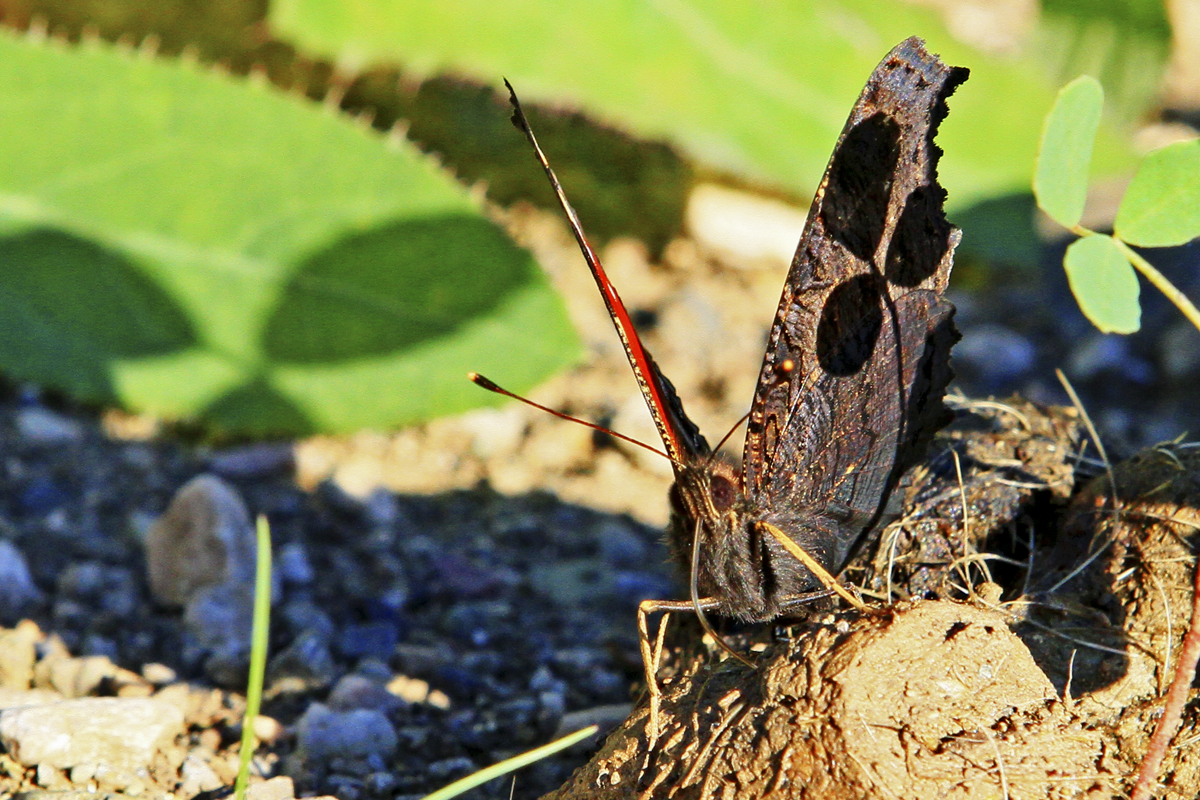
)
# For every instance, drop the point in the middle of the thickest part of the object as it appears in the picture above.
(50, 778)
(18, 655)
(304, 665)
(75, 677)
(201, 554)
(293, 565)
(742, 227)
(324, 733)
(220, 619)
(415, 690)
(279, 788)
(355, 691)
(267, 729)
(123, 734)
(17, 589)
(158, 674)
(204, 539)
(43, 427)
(197, 776)
(253, 461)
(999, 355)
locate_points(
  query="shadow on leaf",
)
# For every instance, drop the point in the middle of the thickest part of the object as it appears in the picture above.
(394, 287)
(70, 307)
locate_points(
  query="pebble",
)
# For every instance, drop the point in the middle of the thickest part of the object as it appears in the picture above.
(18, 652)
(74, 677)
(367, 640)
(998, 355)
(357, 734)
(17, 590)
(201, 554)
(746, 229)
(158, 674)
(204, 539)
(279, 788)
(123, 734)
(197, 776)
(253, 461)
(41, 426)
(304, 665)
(355, 691)
(293, 565)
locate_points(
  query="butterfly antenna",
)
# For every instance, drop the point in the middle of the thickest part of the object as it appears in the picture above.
(713, 455)
(484, 383)
(643, 366)
(694, 588)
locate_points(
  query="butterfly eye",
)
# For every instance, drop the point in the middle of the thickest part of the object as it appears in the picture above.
(722, 493)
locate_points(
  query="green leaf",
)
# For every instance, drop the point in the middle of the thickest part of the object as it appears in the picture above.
(1065, 156)
(1161, 207)
(185, 243)
(762, 95)
(1104, 284)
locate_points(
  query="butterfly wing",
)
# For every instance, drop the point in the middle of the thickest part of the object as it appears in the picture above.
(858, 357)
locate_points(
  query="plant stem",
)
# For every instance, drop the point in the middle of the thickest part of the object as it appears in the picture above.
(1161, 283)
(258, 653)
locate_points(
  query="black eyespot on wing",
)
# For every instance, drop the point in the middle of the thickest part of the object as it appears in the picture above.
(921, 240)
(850, 325)
(855, 204)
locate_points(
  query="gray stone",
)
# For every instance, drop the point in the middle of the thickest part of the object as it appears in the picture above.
(204, 539)
(253, 461)
(358, 734)
(293, 564)
(42, 426)
(357, 691)
(17, 589)
(122, 734)
(201, 554)
(304, 665)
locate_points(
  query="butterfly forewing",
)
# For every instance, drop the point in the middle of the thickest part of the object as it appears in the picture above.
(857, 359)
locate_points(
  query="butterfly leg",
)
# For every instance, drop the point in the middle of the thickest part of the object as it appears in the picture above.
(813, 566)
(652, 656)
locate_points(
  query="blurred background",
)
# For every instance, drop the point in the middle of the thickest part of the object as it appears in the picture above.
(307, 218)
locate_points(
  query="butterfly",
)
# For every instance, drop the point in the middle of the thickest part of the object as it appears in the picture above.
(857, 362)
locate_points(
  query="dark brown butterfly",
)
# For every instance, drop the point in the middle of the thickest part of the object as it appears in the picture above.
(857, 362)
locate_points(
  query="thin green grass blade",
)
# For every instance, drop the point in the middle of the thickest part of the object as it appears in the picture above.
(1065, 156)
(258, 653)
(510, 764)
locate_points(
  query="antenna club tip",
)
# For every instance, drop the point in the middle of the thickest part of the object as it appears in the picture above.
(479, 380)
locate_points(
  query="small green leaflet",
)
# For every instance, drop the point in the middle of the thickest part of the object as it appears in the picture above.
(1161, 207)
(1065, 156)
(1104, 284)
